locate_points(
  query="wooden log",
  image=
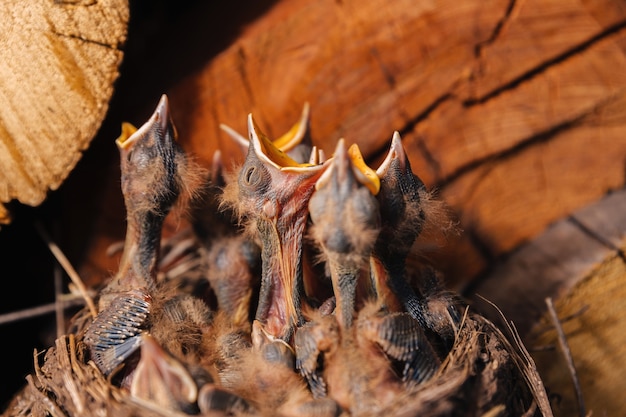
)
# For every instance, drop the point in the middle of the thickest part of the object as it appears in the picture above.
(557, 260)
(60, 60)
(496, 102)
(592, 316)
(578, 262)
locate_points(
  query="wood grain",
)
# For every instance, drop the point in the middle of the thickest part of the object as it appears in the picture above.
(579, 262)
(511, 110)
(59, 62)
(592, 317)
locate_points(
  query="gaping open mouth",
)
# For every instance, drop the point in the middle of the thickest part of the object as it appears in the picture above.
(127, 137)
(289, 140)
(363, 173)
(272, 155)
(130, 134)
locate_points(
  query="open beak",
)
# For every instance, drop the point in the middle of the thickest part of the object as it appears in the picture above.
(160, 119)
(161, 378)
(270, 154)
(283, 203)
(296, 134)
(289, 140)
(363, 174)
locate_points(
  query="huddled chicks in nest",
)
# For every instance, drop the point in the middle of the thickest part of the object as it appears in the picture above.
(310, 309)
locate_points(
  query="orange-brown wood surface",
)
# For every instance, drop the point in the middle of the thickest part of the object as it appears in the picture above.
(512, 110)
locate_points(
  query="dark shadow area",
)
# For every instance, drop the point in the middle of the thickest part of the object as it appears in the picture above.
(167, 40)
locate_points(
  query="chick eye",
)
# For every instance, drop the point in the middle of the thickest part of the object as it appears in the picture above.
(140, 157)
(251, 175)
(254, 178)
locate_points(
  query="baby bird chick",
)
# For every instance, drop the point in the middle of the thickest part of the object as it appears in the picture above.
(272, 194)
(404, 204)
(367, 367)
(346, 222)
(234, 274)
(155, 174)
(164, 382)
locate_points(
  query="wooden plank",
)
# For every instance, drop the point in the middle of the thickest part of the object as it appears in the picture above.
(556, 261)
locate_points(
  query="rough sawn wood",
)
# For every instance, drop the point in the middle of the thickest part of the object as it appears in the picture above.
(58, 63)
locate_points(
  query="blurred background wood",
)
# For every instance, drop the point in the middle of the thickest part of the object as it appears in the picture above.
(512, 110)
(578, 261)
(497, 102)
(592, 315)
(556, 261)
(59, 62)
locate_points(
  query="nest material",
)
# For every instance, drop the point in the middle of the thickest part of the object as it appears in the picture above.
(484, 375)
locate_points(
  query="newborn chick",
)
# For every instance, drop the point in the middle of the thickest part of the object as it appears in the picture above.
(346, 222)
(367, 367)
(404, 203)
(272, 194)
(155, 174)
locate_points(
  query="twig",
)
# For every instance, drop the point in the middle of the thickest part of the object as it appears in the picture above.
(525, 361)
(568, 356)
(58, 291)
(39, 310)
(69, 269)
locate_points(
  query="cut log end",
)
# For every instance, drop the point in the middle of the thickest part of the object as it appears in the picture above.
(61, 63)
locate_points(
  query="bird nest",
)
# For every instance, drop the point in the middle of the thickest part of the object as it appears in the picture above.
(484, 375)
(300, 306)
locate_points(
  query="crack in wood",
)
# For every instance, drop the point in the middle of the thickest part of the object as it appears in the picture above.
(81, 38)
(241, 68)
(408, 127)
(429, 157)
(538, 70)
(538, 138)
(597, 237)
(387, 74)
(496, 30)
(412, 122)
